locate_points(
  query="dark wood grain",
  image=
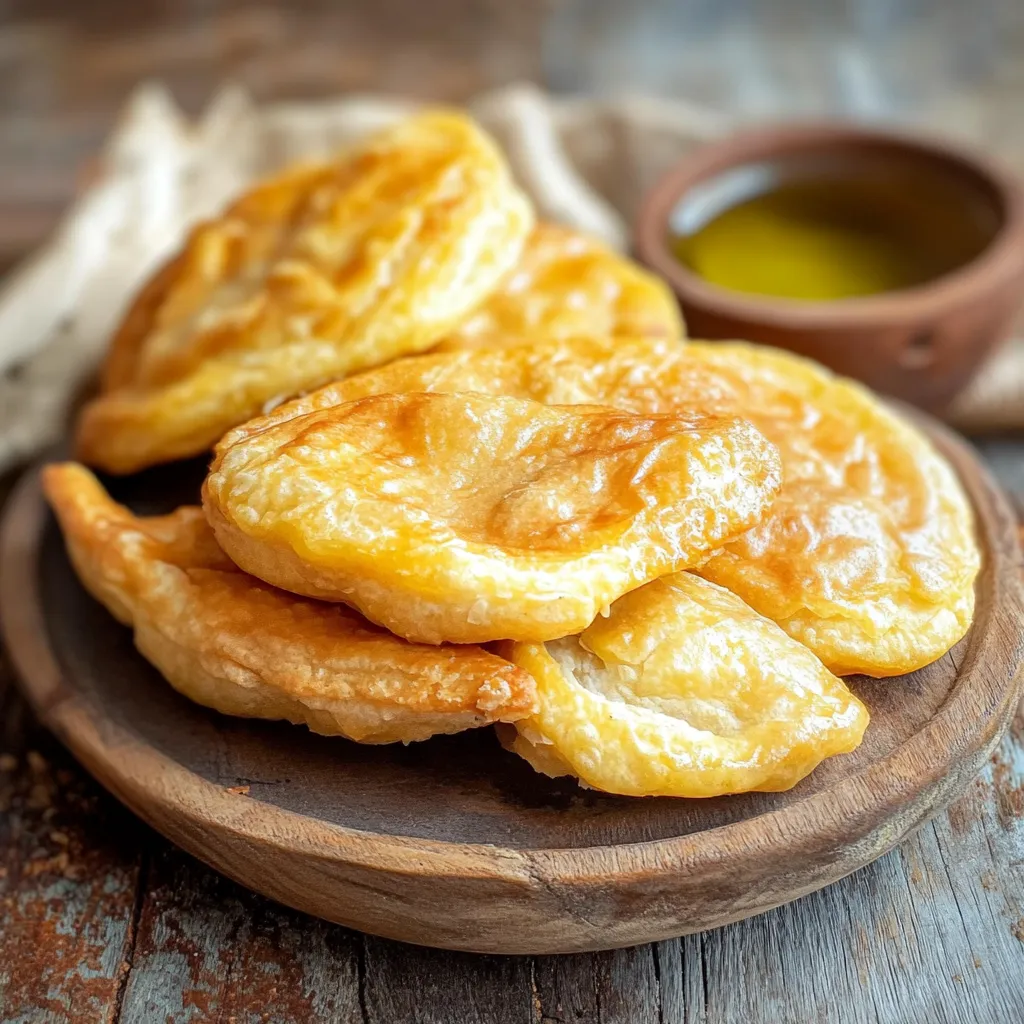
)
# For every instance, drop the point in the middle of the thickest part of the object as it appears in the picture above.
(67, 68)
(454, 842)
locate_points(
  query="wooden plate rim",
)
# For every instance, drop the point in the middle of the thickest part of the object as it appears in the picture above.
(857, 800)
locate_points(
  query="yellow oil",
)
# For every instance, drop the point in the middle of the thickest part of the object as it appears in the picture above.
(836, 238)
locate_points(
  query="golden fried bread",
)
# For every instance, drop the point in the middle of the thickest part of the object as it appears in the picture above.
(309, 277)
(627, 372)
(164, 321)
(230, 642)
(868, 556)
(682, 690)
(469, 517)
(566, 285)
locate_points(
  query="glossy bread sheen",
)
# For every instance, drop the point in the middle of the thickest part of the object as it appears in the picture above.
(567, 284)
(469, 517)
(682, 690)
(627, 372)
(868, 556)
(233, 643)
(310, 276)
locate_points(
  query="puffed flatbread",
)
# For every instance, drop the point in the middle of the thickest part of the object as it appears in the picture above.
(682, 690)
(322, 271)
(868, 556)
(566, 285)
(233, 643)
(470, 517)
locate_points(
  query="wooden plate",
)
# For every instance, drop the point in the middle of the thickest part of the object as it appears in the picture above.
(457, 843)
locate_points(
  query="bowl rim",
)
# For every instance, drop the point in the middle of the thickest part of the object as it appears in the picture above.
(1000, 261)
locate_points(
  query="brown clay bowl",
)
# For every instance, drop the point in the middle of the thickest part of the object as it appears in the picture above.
(920, 344)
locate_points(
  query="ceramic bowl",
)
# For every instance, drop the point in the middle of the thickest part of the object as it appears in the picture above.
(921, 344)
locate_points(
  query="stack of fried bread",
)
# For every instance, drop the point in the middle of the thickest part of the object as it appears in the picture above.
(467, 471)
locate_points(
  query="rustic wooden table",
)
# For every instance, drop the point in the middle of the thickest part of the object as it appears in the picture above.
(102, 920)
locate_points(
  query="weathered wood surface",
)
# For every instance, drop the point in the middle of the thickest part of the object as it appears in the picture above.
(66, 68)
(101, 920)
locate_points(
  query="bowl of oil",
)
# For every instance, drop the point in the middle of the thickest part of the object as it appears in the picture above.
(890, 258)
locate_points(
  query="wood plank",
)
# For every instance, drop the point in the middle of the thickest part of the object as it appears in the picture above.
(1005, 457)
(69, 868)
(616, 987)
(429, 986)
(208, 949)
